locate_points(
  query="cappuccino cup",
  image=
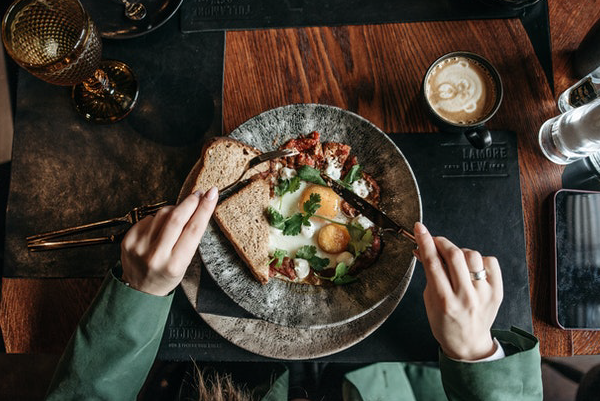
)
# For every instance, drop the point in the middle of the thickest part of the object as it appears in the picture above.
(462, 91)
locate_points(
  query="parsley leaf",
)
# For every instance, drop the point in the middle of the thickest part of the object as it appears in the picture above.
(276, 219)
(287, 186)
(347, 279)
(311, 174)
(309, 252)
(341, 275)
(312, 204)
(293, 224)
(278, 256)
(360, 240)
(354, 174)
(306, 252)
(318, 263)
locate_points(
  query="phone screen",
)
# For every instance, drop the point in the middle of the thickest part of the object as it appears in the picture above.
(577, 223)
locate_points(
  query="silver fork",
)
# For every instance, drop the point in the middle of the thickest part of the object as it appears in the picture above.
(255, 161)
(39, 242)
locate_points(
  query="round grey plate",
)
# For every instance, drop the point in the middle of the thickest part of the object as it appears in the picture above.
(304, 306)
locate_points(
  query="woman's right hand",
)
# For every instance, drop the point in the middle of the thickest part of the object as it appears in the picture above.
(460, 309)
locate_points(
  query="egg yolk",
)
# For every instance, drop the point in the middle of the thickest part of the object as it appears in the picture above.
(330, 201)
(333, 238)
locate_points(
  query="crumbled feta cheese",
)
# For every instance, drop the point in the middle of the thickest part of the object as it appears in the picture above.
(362, 221)
(287, 173)
(345, 257)
(361, 188)
(301, 267)
(333, 169)
(308, 231)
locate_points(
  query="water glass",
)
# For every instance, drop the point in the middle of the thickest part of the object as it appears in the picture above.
(573, 135)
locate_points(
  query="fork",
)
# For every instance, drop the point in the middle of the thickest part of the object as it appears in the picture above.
(255, 161)
(40, 242)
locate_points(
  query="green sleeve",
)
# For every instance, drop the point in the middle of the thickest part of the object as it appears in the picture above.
(517, 376)
(113, 348)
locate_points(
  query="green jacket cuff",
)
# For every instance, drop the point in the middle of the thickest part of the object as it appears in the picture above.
(114, 345)
(516, 376)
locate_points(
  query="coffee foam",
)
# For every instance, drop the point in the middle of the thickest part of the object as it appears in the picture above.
(460, 90)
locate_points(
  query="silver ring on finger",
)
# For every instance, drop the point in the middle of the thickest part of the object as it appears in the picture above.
(478, 275)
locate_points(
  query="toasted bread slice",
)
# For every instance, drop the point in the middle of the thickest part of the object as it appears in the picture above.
(242, 219)
(221, 162)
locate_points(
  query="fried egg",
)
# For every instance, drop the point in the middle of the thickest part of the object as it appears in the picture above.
(292, 203)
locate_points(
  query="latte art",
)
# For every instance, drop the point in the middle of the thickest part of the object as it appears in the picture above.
(460, 90)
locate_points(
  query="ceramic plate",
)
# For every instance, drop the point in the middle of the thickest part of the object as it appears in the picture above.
(109, 17)
(275, 341)
(304, 306)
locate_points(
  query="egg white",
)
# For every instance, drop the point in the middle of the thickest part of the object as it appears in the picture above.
(287, 206)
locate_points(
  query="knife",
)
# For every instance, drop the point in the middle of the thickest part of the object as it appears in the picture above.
(380, 219)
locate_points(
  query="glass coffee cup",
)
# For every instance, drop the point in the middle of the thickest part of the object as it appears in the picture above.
(461, 92)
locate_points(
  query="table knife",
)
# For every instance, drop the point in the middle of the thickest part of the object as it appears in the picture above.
(379, 218)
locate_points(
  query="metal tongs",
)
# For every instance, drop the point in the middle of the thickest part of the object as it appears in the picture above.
(45, 242)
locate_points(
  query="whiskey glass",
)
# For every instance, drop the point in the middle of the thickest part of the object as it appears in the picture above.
(56, 41)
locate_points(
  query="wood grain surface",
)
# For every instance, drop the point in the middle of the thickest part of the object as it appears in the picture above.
(375, 71)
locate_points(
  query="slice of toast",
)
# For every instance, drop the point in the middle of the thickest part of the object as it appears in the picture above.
(221, 162)
(242, 219)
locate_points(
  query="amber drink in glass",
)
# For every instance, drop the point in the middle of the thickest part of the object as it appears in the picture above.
(56, 41)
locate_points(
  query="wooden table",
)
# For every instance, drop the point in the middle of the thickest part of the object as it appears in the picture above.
(376, 72)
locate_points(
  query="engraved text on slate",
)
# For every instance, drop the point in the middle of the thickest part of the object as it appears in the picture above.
(183, 332)
(463, 160)
(223, 9)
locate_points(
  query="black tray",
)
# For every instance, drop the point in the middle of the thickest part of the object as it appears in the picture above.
(472, 197)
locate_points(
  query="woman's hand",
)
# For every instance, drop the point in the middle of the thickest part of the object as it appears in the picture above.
(157, 250)
(460, 310)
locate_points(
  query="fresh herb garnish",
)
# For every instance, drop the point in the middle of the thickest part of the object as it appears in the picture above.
(285, 186)
(311, 174)
(276, 219)
(293, 224)
(279, 255)
(308, 252)
(311, 205)
(354, 174)
(360, 240)
(341, 275)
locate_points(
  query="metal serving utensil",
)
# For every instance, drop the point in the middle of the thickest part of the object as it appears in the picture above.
(255, 161)
(379, 218)
(41, 242)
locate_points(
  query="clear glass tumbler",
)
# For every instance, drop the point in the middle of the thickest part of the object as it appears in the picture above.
(573, 135)
(584, 91)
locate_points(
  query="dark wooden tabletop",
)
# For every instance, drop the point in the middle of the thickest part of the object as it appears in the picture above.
(375, 71)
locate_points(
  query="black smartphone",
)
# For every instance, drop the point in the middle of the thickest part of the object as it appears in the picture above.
(576, 293)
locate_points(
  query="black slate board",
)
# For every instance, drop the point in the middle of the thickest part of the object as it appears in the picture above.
(66, 171)
(207, 15)
(472, 197)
